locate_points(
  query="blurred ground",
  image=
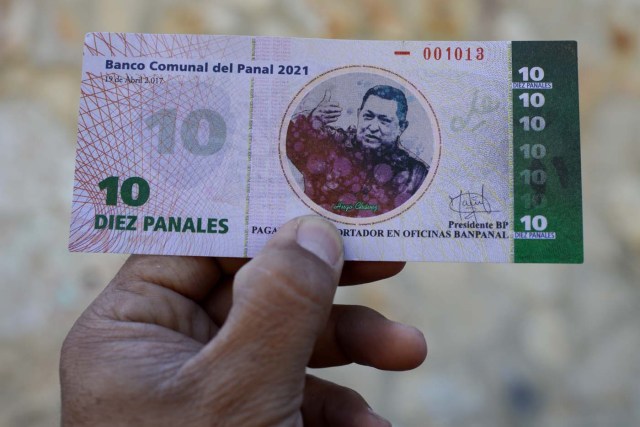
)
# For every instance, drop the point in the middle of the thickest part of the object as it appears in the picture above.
(509, 345)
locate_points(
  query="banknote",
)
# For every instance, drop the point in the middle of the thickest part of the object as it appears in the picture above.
(415, 150)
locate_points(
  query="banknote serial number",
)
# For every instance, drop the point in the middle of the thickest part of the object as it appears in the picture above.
(453, 54)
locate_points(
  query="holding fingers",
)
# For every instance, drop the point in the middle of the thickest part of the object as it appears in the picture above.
(205, 342)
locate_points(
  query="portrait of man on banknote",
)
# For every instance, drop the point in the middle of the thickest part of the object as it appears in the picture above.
(360, 169)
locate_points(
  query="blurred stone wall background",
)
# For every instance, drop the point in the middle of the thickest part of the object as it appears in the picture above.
(509, 345)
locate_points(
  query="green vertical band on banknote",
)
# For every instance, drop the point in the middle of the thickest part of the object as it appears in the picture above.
(510, 156)
(547, 172)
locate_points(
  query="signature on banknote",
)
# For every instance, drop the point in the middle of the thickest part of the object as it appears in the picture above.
(469, 204)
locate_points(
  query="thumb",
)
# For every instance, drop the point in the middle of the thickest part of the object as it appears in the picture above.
(327, 96)
(281, 303)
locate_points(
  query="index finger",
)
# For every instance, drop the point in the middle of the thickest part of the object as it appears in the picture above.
(194, 277)
(219, 301)
(330, 106)
(359, 272)
(353, 272)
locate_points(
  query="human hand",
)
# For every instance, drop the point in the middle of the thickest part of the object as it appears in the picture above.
(326, 112)
(177, 341)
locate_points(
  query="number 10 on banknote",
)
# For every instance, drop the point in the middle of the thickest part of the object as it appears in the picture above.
(417, 151)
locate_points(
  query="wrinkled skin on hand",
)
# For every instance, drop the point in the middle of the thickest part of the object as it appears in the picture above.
(179, 341)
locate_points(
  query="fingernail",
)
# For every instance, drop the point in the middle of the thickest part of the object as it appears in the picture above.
(381, 421)
(409, 330)
(321, 238)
